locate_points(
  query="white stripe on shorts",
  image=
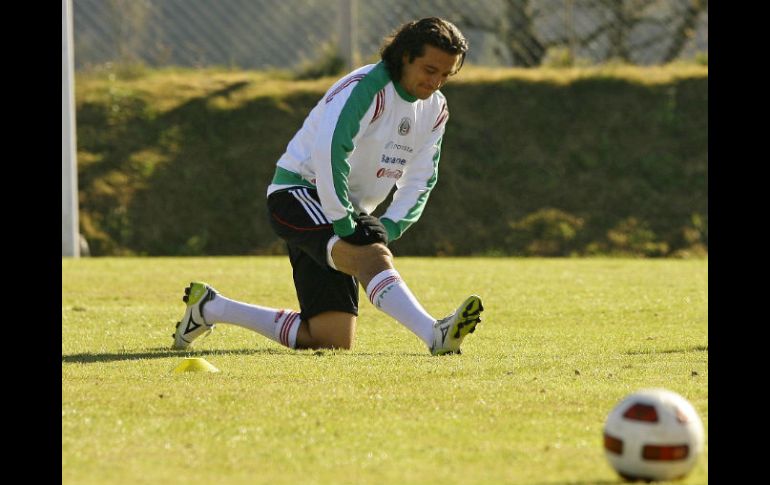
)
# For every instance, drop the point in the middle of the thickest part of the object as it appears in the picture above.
(312, 207)
(314, 203)
(313, 215)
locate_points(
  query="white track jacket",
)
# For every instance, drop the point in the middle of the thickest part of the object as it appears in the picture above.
(364, 136)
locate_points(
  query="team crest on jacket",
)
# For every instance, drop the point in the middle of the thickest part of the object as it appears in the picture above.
(404, 126)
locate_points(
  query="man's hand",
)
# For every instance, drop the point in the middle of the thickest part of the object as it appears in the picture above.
(374, 226)
(369, 230)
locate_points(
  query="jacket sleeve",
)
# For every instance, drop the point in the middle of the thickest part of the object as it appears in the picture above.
(348, 109)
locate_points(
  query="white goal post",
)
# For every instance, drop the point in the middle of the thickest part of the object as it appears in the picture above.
(70, 234)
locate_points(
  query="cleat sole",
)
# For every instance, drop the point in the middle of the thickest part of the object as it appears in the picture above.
(470, 318)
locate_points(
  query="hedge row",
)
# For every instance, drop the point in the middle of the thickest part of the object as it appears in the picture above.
(594, 164)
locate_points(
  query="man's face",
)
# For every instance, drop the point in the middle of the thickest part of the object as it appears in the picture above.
(427, 73)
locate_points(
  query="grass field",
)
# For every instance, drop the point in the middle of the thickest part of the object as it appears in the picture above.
(562, 341)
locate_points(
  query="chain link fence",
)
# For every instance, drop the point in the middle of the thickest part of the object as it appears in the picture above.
(286, 34)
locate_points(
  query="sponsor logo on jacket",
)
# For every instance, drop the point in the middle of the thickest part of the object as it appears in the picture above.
(393, 160)
(392, 173)
(391, 145)
(404, 126)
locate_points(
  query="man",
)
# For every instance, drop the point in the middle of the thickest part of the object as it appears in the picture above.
(379, 126)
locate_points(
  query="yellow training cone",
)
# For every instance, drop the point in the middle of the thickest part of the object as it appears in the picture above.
(195, 364)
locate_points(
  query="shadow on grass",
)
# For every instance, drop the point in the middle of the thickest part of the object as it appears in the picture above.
(697, 348)
(586, 482)
(163, 353)
(158, 353)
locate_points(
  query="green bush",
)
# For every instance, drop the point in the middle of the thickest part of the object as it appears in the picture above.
(546, 232)
(630, 237)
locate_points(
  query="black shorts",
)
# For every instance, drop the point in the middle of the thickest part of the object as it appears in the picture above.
(296, 217)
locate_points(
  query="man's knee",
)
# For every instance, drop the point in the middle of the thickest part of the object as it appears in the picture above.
(374, 252)
(362, 261)
(378, 250)
(341, 342)
(329, 330)
(376, 258)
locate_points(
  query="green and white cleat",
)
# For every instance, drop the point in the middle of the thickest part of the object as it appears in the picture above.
(449, 332)
(193, 325)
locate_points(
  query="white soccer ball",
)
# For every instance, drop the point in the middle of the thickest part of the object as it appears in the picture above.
(653, 434)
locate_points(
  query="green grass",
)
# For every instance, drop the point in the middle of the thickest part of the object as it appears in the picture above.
(562, 341)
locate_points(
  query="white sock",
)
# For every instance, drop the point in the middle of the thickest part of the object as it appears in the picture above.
(389, 293)
(278, 325)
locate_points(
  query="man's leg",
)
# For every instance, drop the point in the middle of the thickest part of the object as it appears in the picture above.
(207, 307)
(328, 301)
(373, 266)
(374, 263)
(327, 330)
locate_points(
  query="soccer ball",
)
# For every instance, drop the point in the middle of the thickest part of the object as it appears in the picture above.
(653, 434)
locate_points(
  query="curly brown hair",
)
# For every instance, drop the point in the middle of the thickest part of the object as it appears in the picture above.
(412, 37)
